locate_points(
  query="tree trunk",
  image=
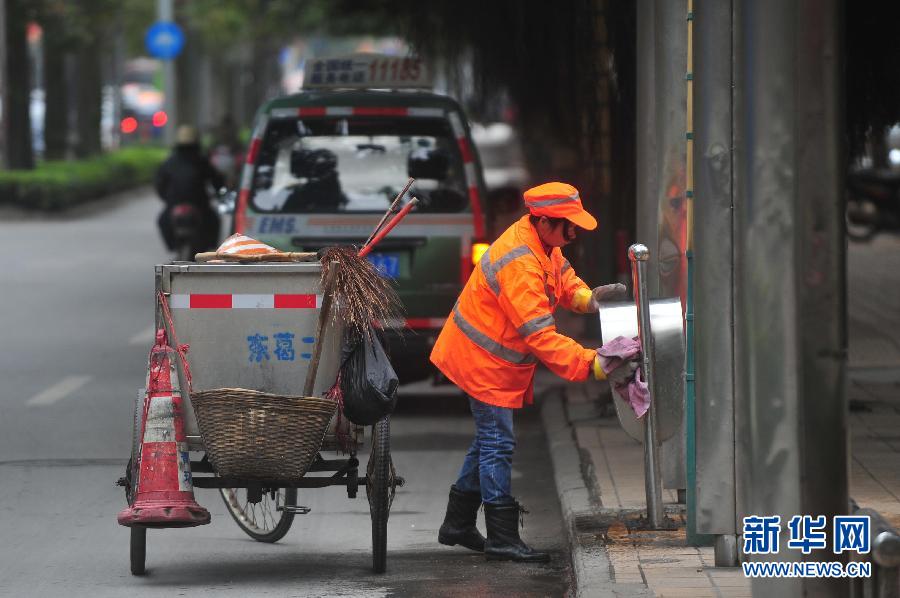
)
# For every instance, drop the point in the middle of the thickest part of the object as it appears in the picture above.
(90, 98)
(17, 117)
(220, 94)
(234, 92)
(185, 100)
(258, 76)
(4, 161)
(56, 128)
(623, 34)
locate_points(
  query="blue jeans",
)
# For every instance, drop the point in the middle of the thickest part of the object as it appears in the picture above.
(488, 465)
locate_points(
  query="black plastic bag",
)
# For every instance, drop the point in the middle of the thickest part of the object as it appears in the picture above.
(367, 379)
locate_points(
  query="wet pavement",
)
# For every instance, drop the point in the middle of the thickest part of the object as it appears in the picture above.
(60, 535)
(77, 309)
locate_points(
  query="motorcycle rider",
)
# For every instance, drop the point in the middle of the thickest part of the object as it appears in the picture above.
(182, 179)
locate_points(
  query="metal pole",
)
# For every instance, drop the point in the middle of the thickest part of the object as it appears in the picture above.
(667, 274)
(789, 286)
(885, 557)
(639, 254)
(713, 509)
(164, 13)
(888, 581)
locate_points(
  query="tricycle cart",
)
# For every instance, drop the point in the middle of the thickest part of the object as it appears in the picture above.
(254, 327)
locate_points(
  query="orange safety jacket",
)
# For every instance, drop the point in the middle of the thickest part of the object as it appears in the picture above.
(503, 321)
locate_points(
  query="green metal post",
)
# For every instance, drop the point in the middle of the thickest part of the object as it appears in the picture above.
(693, 538)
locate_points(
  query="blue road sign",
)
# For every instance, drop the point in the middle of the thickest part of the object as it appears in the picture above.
(164, 40)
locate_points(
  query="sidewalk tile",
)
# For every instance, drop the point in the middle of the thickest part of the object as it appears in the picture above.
(685, 573)
(733, 583)
(679, 585)
(606, 487)
(667, 567)
(586, 437)
(724, 572)
(683, 593)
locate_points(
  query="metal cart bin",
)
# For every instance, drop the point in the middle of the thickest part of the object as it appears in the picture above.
(254, 326)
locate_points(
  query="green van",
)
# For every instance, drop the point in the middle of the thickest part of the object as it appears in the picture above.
(324, 165)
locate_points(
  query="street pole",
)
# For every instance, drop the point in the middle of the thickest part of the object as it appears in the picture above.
(118, 67)
(639, 255)
(164, 13)
(712, 498)
(789, 274)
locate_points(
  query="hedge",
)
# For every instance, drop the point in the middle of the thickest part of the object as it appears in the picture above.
(57, 185)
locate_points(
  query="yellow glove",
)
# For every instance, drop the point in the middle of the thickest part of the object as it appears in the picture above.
(598, 372)
(581, 302)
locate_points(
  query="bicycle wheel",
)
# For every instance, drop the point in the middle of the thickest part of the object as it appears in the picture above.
(380, 491)
(265, 521)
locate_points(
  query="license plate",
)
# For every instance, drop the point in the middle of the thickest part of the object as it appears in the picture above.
(386, 264)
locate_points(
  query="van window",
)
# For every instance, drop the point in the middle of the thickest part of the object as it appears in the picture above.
(357, 165)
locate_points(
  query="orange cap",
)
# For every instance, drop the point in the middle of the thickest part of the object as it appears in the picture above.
(559, 200)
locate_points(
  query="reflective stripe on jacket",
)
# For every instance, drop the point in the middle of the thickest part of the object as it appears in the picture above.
(503, 322)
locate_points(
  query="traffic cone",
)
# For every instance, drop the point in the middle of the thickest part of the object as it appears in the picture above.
(165, 493)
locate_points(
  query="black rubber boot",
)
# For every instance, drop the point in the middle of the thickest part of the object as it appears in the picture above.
(459, 523)
(503, 541)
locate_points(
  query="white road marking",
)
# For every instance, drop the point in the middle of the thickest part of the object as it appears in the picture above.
(144, 337)
(58, 391)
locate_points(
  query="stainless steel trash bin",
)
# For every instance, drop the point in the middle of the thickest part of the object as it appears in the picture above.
(667, 324)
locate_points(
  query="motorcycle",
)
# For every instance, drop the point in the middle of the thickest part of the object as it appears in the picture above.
(189, 226)
(873, 203)
(186, 228)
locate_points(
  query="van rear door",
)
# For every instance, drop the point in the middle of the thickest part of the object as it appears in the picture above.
(320, 176)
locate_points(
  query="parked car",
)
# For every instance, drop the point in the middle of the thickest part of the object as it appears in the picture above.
(324, 165)
(143, 116)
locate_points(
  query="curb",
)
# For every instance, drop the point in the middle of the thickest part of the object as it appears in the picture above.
(590, 564)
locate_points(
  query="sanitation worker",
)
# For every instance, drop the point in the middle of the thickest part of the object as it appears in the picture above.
(500, 327)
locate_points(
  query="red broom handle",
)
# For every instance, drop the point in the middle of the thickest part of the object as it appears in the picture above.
(387, 227)
(390, 209)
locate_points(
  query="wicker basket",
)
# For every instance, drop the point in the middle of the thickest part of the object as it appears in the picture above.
(252, 434)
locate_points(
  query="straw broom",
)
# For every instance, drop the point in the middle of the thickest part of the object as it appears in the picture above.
(365, 297)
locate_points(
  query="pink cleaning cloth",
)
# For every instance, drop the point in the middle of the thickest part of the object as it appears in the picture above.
(633, 390)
